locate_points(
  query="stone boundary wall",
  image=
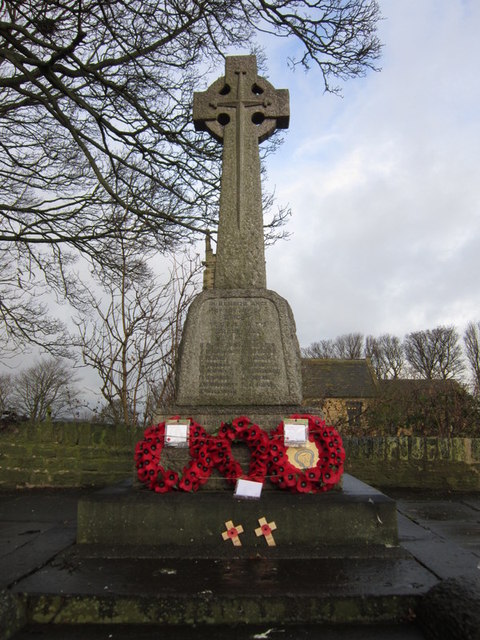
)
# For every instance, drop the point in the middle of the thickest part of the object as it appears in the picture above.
(83, 454)
(415, 462)
(69, 454)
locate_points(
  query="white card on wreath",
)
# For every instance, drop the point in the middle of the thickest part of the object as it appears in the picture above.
(248, 489)
(176, 434)
(295, 432)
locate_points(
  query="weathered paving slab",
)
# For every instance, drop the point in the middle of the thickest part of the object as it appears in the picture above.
(36, 526)
(44, 505)
(38, 549)
(439, 511)
(447, 546)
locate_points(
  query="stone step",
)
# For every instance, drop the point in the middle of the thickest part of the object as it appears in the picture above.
(80, 587)
(122, 515)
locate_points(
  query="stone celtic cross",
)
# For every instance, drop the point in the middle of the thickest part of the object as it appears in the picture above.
(241, 110)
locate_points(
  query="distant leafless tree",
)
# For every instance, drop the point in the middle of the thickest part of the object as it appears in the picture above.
(132, 334)
(45, 389)
(349, 346)
(24, 306)
(434, 353)
(6, 390)
(471, 339)
(322, 349)
(387, 355)
(374, 352)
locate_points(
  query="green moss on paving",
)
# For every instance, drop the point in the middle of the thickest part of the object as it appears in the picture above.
(218, 610)
(12, 614)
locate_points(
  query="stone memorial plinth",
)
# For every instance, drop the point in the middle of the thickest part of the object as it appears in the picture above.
(239, 353)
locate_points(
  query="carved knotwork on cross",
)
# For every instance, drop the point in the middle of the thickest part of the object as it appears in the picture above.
(240, 110)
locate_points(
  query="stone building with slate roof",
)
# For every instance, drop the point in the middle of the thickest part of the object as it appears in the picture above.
(343, 389)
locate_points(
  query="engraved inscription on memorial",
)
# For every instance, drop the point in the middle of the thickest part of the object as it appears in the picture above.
(241, 351)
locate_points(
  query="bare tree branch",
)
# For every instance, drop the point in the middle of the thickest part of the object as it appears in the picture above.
(387, 356)
(434, 353)
(95, 118)
(133, 336)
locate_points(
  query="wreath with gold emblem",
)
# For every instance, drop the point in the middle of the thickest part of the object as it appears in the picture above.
(314, 468)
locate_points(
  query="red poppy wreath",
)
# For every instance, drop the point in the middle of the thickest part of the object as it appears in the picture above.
(322, 476)
(148, 455)
(257, 441)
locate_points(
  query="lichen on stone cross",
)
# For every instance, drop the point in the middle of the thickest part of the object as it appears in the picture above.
(241, 110)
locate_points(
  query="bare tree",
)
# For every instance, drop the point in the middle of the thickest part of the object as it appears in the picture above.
(471, 339)
(349, 346)
(95, 118)
(322, 349)
(6, 390)
(434, 353)
(132, 337)
(24, 297)
(46, 389)
(387, 356)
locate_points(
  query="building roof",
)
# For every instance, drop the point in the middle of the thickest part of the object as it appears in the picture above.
(335, 378)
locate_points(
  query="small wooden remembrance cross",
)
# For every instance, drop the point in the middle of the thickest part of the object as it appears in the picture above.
(233, 533)
(265, 529)
(240, 110)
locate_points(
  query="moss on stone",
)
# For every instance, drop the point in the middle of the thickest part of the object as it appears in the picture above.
(12, 614)
(94, 454)
(391, 448)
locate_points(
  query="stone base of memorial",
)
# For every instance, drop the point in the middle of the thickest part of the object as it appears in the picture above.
(192, 525)
(239, 356)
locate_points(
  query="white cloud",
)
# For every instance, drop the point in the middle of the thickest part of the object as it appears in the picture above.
(385, 183)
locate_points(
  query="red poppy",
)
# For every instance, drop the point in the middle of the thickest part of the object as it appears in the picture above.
(313, 474)
(161, 487)
(241, 428)
(303, 486)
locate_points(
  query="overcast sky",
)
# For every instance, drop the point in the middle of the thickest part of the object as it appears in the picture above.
(384, 183)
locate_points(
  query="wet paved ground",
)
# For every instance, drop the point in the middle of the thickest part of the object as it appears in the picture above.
(442, 531)
(222, 633)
